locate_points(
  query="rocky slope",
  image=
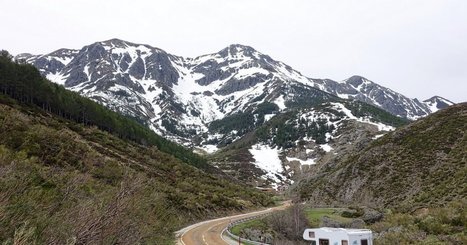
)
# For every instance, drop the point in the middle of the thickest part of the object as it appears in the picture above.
(362, 89)
(288, 146)
(422, 164)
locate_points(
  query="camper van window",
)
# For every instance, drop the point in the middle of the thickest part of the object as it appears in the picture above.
(313, 242)
(364, 242)
(345, 242)
(311, 234)
(323, 241)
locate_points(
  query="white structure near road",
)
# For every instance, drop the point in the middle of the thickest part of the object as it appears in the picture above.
(338, 236)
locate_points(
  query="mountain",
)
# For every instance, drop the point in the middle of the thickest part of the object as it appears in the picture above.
(179, 97)
(362, 89)
(280, 148)
(212, 101)
(437, 103)
(69, 174)
(418, 165)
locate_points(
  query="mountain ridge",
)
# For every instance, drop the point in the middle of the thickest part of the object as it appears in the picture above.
(237, 63)
(231, 52)
(200, 102)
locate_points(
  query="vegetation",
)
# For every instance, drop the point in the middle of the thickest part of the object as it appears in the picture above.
(243, 122)
(257, 224)
(24, 83)
(421, 165)
(63, 180)
(360, 109)
(315, 215)
(307, 98)
(442, 225)
(417, 174)
(282, 227)
(287, 128)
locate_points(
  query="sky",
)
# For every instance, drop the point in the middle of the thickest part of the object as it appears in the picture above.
(416, 47)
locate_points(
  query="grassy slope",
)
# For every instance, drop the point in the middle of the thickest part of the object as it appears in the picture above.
(62, 182)
(315, 215)
(422, 164)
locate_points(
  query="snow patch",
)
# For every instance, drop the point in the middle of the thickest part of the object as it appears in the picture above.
(57, 78)
(280, 102)
(348, 113)
(309, 161)
(326, 147)
(267, 159)
(209, 148)
(268, 117)
(378, 136)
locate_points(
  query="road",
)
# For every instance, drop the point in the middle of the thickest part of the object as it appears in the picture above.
(210, 232)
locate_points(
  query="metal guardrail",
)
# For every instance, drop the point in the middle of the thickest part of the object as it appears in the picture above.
(244, 240)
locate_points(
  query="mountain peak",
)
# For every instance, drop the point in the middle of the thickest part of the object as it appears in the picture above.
(119, 43)
(115, 41)
(355, 80)
(436, 103)
(439, 98)
(238, 49)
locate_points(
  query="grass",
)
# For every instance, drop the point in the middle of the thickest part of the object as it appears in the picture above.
(251, 224)
(314, 215)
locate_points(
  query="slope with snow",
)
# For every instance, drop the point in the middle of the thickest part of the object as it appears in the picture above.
(281, 163)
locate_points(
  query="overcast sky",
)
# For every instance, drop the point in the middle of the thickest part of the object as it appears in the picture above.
(416, 47)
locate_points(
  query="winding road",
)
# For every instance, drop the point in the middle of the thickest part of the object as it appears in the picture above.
(210, 232)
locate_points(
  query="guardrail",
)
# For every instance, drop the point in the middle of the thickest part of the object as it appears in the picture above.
(244, 240)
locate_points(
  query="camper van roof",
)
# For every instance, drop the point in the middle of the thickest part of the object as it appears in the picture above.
(348, 231)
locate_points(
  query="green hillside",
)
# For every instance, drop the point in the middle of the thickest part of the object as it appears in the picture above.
(24, 83)
(419, 165)
(71, 179)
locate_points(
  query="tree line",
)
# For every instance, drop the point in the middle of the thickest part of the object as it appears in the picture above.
(24, 83)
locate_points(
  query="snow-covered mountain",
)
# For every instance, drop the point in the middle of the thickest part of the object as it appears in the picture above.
(161, 89)
(362, 89)
(214, 100)
(175, 96)
(437, 103)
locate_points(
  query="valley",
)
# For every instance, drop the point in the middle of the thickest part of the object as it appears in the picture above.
(145, 143)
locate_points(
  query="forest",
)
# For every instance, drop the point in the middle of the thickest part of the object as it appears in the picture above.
(24, 83)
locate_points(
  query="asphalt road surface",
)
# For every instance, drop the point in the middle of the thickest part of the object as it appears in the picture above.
(210, 232)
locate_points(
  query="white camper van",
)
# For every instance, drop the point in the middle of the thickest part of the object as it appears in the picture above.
(338, 236)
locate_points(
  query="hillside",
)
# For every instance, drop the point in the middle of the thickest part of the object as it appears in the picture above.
(66, 181)
(25, 84)
(421, 164)
(284, 147)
